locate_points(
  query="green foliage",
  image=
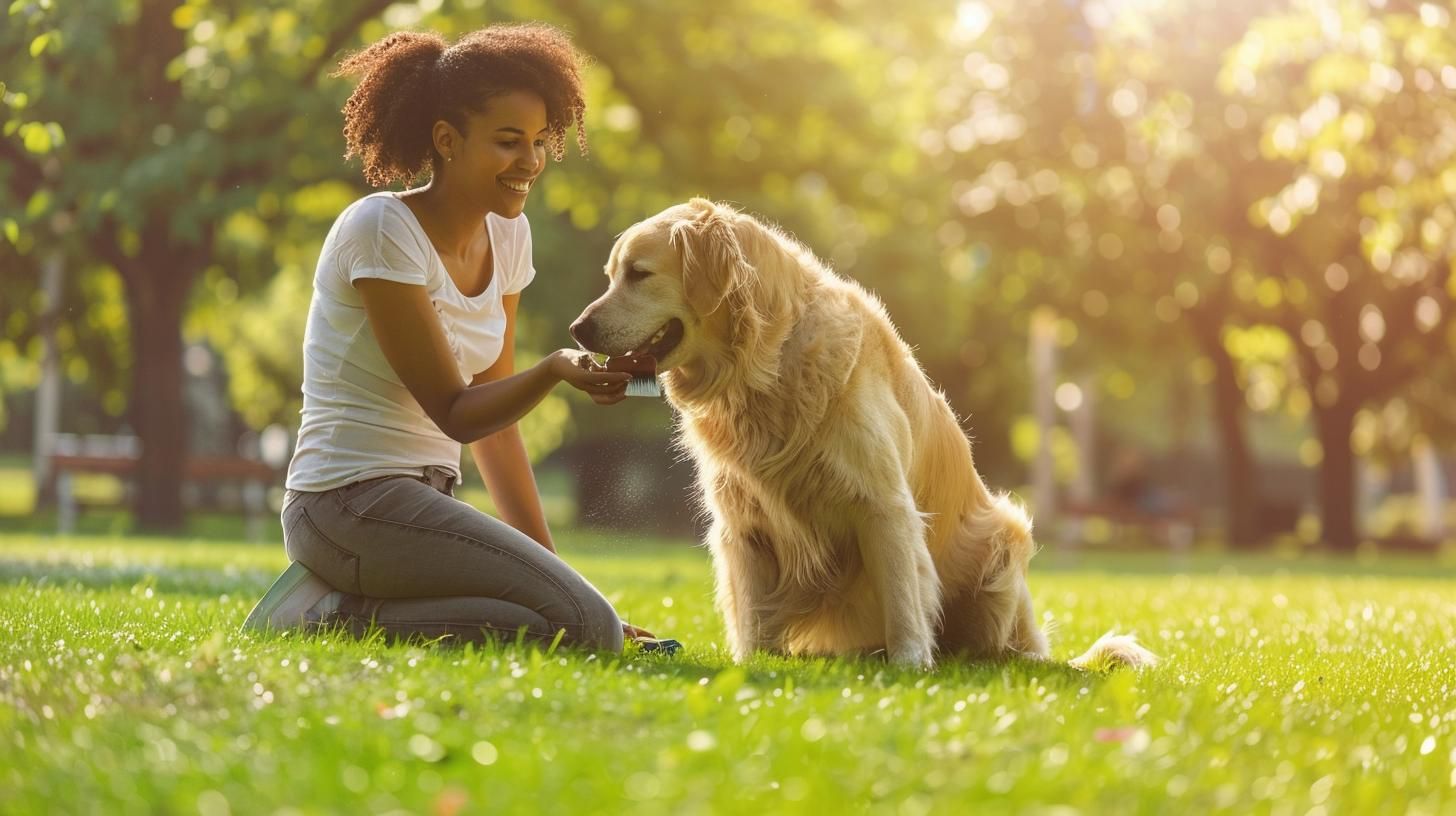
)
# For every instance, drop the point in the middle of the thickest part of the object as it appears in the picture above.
(133, 130)
(234, 147)
(1167, 177)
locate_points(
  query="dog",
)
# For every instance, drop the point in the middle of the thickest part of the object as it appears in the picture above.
(847, 516)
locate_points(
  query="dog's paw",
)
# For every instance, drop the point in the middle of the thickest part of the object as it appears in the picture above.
(741, 652)
(912, 655)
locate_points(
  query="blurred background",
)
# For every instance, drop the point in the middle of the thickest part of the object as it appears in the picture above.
(1183, 266)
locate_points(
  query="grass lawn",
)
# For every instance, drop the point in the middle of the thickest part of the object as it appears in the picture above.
(1296, 688)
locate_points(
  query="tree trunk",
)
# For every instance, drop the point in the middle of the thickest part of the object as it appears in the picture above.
(48, 393)
(1337, 476)
(155, 301)
(1241, 488)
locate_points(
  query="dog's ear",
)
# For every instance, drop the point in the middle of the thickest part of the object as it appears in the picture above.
(713, 263)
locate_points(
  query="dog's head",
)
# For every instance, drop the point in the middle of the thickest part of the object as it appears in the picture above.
(671, 280)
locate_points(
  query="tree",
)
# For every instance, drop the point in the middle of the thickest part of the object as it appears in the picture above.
(1182, 148)
(200, 113)
(1360, 238)
(1080, 140)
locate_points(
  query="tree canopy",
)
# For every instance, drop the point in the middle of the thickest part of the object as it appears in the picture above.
(1248, 199)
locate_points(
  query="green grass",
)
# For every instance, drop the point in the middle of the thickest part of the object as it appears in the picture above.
(1287, 687)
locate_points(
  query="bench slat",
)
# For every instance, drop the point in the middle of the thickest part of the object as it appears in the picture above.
(201, 468)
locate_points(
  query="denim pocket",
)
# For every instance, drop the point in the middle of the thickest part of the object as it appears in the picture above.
(308, 545)
(290, 517)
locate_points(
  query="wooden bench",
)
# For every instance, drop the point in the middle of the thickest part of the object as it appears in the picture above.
(1174, 527)
(254, 476)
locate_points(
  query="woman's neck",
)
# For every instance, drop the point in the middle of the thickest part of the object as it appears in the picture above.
(452, 224)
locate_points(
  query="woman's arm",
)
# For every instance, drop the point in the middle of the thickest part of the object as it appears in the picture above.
(501, 457)
(410, 335)
(505, 468)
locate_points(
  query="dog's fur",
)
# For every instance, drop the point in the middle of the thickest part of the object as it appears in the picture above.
(847, 516)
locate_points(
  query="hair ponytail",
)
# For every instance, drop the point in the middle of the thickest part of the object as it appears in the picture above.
(388, 118)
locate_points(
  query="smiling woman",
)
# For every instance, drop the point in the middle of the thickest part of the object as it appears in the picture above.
(409, 353)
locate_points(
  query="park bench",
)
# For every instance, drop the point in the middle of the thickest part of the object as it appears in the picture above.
(1173, 528)
(71, 456)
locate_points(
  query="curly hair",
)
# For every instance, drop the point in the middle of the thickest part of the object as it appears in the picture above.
(410, 80)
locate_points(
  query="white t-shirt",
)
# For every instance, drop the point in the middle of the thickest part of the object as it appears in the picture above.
(359, 421)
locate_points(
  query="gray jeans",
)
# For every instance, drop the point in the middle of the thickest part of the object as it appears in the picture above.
(414, 560)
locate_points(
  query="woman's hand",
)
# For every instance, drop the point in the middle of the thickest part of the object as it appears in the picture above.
(631, 631)
(580, 370)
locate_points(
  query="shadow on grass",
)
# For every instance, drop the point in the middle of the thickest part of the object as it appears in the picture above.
(118, 524)
(700, 664)
(190, 581)
(830, 672)
(1215, 563)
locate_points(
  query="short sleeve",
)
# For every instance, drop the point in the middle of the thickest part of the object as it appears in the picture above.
(523, 268)
(379, 241)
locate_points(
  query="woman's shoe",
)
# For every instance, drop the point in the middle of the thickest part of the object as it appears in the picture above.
(287, 604)
(667, 646)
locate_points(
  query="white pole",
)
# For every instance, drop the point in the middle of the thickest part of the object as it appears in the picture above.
(48, 393)
(1043, 353)
(1430, 488)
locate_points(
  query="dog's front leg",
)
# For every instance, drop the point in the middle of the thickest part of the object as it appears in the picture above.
(744, 576)
(897, 561)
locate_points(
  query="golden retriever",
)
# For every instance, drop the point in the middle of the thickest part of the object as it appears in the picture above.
(847, 516)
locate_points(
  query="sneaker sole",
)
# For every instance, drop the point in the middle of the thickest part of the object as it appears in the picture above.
(286, 603)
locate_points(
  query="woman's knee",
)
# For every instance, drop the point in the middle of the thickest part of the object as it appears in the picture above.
(601, 626)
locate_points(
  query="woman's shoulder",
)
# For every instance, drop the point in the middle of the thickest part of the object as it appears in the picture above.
(380, 218)
(375, 211)
(378, 236)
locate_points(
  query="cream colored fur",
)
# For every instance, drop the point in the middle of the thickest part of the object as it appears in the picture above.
(847, 515)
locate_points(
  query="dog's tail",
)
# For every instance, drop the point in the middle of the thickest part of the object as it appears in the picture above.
(1113, 650)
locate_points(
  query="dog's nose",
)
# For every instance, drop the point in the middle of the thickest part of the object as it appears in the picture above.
(584, 332)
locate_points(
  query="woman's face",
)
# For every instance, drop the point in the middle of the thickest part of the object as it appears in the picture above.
(503, 152)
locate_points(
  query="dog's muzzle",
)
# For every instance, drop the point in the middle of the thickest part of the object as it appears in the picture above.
(584, 331)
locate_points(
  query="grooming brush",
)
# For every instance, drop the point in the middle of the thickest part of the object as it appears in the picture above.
(644, 374)
(667, 646)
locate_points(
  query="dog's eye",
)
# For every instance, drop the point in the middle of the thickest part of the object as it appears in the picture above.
(636, 273)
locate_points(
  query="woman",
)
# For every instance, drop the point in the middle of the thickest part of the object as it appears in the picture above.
(409, 353)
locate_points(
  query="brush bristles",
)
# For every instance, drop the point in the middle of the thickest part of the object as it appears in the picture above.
(642, 385)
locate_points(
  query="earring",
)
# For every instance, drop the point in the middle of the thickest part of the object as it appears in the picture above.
(450, 158)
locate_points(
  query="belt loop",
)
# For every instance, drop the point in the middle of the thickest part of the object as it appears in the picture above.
(440, 479)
